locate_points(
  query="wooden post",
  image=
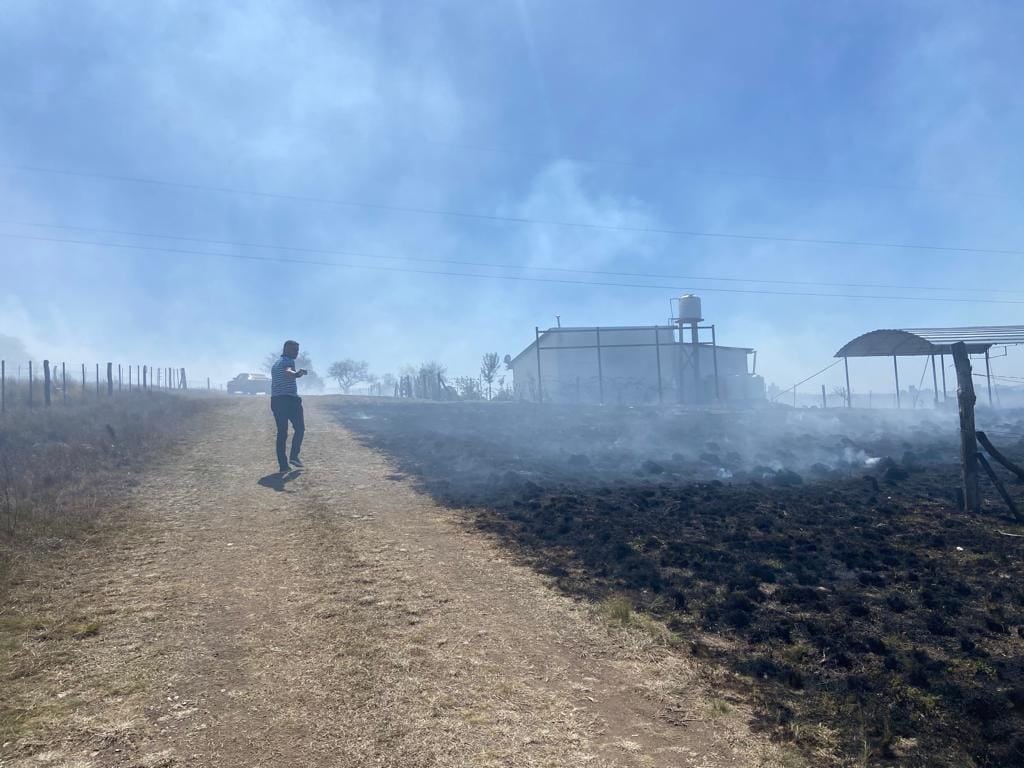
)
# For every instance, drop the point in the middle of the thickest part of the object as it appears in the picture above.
(145, 377)
(30, 384)
(824, 398)
(97, 379)
(3, 386)
(46, 383)
(208, 384)
(183, 380)
(64, 382)
(896, 369)
(110, 379)
(83, 381)
(988, 377)
(119, 379)
(998, 456)
(849, 394)
(999, 485)
(968, 439)
(129, 378)
(935, 383)
(942, 365)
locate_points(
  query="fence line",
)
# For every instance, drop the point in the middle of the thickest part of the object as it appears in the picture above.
(147, 379)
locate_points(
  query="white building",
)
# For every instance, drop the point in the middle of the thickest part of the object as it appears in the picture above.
(636, 364)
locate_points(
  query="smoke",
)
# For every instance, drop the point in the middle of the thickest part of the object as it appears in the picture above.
(13, 349)
(465, 450)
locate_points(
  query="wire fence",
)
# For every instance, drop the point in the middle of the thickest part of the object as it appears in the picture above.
(44, 383)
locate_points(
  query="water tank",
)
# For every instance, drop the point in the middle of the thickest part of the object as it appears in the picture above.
(689, 309)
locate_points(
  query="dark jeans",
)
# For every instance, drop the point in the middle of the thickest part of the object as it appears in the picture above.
(287, 408)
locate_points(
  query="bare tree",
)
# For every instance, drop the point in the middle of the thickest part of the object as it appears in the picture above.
(468, 388)
(348, 372)
(430, 380)
(489, 370)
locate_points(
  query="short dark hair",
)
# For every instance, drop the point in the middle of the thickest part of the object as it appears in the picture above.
(289, 343)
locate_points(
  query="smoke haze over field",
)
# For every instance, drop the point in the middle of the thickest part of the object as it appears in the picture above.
(467, 449)
(375, 123)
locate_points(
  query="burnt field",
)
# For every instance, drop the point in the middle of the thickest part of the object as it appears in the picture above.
(819, 556)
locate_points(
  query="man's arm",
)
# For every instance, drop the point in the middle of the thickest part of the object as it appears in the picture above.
(291, 373)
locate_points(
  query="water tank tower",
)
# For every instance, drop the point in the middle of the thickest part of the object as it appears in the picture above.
(691, 316)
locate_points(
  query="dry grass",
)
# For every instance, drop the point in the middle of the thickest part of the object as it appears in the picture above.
(61, 469)
(62, 466)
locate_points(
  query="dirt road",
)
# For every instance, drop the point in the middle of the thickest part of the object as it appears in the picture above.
(337, 619)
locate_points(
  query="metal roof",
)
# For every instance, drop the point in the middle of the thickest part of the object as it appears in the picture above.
(910, 342)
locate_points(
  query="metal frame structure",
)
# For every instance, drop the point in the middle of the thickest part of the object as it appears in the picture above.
(929, 342)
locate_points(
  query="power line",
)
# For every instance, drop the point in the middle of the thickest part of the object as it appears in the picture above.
(522, 278)
(647, 164)
(522, 220)
(804, 381)
(610, 273)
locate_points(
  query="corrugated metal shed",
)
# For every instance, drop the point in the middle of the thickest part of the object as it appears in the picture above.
(910, 342)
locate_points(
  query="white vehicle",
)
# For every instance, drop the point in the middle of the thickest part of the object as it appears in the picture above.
(249, 384)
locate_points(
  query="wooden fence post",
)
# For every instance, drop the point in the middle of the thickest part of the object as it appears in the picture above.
(184, 380)
(145, 378)
(824, 398)
(97, 379)
(119, 380)
(64, 382)
(46, 383)
(83, 381)
(110, 379)
(31, 384)
(968, 439)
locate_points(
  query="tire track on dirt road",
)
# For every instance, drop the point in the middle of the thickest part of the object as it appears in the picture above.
(342, 619)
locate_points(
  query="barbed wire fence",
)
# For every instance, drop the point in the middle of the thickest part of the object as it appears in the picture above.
(44, 383)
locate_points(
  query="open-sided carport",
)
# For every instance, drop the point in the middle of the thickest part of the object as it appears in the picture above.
(929, 342)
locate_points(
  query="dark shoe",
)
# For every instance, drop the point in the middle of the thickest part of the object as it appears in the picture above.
(284, 470)
(296, 462)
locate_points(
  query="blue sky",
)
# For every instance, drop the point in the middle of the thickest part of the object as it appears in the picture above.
(869, 121)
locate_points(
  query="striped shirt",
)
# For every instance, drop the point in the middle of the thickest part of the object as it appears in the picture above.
(280, 382)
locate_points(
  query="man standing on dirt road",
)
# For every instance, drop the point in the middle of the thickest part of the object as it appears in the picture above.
(286, 405)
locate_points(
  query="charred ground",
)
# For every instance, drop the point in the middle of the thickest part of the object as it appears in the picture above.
(817, 555)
